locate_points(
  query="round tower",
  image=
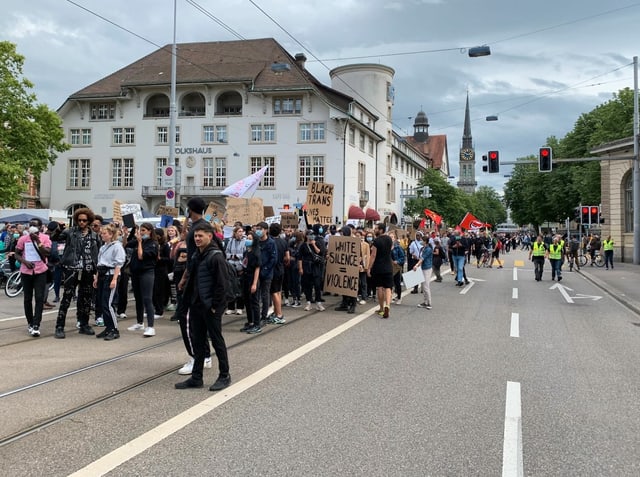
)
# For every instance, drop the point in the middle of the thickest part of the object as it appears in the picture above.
(421, 127)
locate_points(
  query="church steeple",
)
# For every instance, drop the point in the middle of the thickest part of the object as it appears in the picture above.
(467, 140)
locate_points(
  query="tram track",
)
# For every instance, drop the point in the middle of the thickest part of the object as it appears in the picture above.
(36, 427)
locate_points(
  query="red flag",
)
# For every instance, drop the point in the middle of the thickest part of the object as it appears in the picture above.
(435, 218)
(471, 222)
(422, 224)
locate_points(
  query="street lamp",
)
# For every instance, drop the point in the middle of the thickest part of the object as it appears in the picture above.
(477, 51)
(493, 117)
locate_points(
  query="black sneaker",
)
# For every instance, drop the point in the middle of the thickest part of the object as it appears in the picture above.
(86, 330)
(221, 383)
(254, 330)
(102, 334)
(246, 327)
(189, 383)
(59, 333)
(112, 335)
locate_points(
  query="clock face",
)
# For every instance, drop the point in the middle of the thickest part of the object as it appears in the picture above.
(466, 154)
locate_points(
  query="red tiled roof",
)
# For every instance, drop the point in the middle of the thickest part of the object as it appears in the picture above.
(434, 148)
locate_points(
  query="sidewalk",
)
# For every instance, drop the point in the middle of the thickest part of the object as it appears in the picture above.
(623, 282)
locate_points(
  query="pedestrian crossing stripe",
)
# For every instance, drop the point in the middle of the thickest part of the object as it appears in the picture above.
(518, 263)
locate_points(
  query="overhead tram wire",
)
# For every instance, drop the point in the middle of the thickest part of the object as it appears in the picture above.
(204, 11)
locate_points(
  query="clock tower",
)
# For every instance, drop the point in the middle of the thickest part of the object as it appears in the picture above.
(467, 180)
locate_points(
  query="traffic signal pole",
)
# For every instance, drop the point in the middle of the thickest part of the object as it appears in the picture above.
(636, 168)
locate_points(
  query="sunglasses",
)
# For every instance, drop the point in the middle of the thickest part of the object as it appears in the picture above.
(83, 220)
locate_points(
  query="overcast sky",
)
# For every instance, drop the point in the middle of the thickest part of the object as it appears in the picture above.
(551, 61)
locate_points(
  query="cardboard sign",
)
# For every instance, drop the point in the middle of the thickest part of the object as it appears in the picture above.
(166, 210)
(117, 215)
(268, 211)
(320, 203)
(413, 278)
(212, 213)
(289, 219)
(247, 211)
(343, 260)
(134, 209)
(400, 232)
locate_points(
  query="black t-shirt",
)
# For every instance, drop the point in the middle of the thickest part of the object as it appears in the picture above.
(382, 263)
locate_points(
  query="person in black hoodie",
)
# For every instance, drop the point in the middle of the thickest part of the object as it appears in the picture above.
(143, 264)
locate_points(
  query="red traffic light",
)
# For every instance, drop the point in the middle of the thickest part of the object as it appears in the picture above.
(585, 210)
(493, 155)
(594, 210)
(544, 152)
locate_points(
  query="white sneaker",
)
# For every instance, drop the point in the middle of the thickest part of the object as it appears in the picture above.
(78, 324)
(122, 316)
(149, 332)
(238, 311)
(399, 301)
(229, 312)
(30, 329)
(157, 317)
(319, 306)
(207, 363)
(99, 321)
(187, 368)
(308, 306)
(136, 327)
(363, 302)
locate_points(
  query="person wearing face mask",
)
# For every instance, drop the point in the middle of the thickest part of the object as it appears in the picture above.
(79, 264)
(269, 256)
(371, 291)
(234, 251)
(251, 263)
(31, 251)
(143, 242)
(363, 266)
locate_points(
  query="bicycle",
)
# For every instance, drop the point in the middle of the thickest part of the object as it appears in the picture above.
(598, 260)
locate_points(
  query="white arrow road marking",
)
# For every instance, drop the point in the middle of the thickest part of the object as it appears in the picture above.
(592, 297)
(563, 291)
(471, 283)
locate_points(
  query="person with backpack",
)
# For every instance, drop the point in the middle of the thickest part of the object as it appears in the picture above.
(250, 286)
(206, 291)
(269, 257)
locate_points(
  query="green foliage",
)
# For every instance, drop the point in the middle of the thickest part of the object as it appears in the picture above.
(535, 198)
(452, 204)
(30, 133)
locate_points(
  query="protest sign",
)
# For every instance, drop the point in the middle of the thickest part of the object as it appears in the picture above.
(247, 211)
(343, 260)
(320, 203)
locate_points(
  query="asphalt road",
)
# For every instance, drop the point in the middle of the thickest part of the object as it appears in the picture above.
(505, 376)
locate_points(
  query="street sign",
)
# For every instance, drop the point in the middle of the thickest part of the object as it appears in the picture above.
(170, 198)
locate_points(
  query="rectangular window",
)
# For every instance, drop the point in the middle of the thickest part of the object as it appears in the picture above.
(221, 172)
(103, 111)
(362, 176)
(352, 136)
(263, 133)
(162, 135)
(361, 142)
(214, 134)
(257, 163)
(208, 174)
(117, 136)
(311, 132)
(129, 135)
(287, 106)
(86, 137)
(123, 136)
(79, 174)
(310, 169)
(122, 173)
(80, 137)
(74, 137)
(371, 147)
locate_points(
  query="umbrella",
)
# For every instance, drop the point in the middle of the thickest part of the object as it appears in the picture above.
(22, 219)
(356, 213)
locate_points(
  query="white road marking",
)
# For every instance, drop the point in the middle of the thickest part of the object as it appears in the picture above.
(515, 274)
(138, 445)
(470, 284)
(515, 325)
(514, 293)
(22, 317)
(563, 291)
(512, 465)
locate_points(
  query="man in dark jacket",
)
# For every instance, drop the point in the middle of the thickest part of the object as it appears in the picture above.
(206, 293)
(78, 267)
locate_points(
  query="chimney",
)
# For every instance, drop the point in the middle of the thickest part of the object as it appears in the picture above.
(300, 59)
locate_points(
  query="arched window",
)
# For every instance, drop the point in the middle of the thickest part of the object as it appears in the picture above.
(192, 105)
(229, 103)
(72, 208)
(157, 106)
(627, 190)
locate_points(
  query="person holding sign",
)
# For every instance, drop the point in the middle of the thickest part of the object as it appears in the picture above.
(425, 264)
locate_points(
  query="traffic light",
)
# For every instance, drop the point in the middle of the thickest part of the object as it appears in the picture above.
(494, 162)
(584, 216)
(594, 214)
(484, 168)
(545, 159)
(285, 206)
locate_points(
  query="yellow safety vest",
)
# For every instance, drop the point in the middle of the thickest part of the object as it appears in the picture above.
(607, 244)
(555, 252)
(539, 249)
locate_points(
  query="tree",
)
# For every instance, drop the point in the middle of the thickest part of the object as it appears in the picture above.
(30, 134)
(487, 206)
(535, 198)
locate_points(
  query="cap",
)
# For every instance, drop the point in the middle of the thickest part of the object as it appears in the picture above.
(197, 205)
(53, 225)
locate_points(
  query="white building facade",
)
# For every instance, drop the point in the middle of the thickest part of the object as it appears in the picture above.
(241, 105)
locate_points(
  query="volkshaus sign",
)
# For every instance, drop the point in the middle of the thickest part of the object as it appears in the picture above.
(193, 150)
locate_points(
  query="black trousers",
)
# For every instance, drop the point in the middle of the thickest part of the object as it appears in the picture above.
(83, 280)
(207, 321)
(33, 285)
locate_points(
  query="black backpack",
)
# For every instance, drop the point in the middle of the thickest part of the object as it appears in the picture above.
(232, 287)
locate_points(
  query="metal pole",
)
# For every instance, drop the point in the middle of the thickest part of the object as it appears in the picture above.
(636, 169)
(170, 197)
